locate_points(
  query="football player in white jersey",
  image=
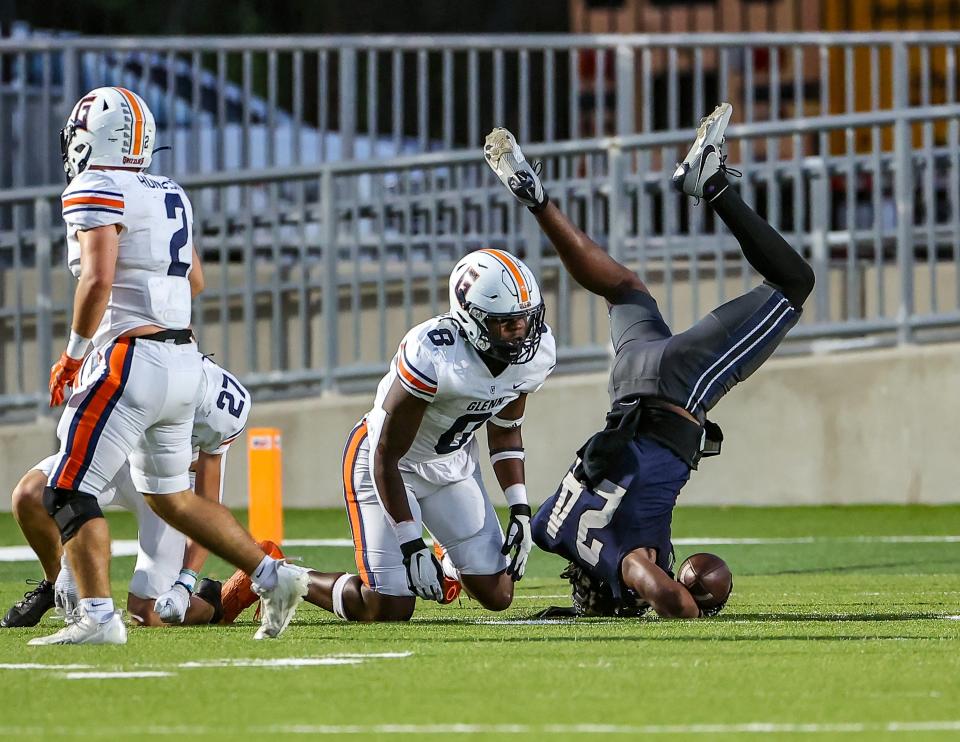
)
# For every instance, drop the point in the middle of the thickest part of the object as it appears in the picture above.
(163, 586)
(413, 460)
(130, 245)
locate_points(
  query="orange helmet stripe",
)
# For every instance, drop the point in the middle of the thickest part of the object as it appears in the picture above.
(137, 120)
(514, 270)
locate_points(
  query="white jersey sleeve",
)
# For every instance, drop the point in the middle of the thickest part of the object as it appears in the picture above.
(223, 410)
(416, 365)
(93, 199)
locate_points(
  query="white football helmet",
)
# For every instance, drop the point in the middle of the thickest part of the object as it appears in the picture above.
(496, 301)
(108, 126)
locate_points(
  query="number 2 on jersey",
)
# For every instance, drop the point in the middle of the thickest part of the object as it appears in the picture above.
(227, 400)
(570, 491)
(179, 239)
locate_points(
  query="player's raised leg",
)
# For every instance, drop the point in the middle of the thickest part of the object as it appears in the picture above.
(703, 175)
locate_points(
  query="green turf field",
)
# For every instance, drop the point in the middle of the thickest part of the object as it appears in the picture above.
(841, 628)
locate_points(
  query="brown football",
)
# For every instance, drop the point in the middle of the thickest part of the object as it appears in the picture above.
(708, 579)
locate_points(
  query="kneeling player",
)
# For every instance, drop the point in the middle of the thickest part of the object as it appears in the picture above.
(412, 461)
(612, 513)
(165, 576)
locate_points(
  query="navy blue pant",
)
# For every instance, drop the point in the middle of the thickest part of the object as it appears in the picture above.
(630, 509)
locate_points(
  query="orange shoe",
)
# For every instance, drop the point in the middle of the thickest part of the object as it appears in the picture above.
(451, 587)
(237, 594)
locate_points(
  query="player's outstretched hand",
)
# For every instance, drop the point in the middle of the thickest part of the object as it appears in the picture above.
(503, 155)
(424, 573)
(63, 373)
(519, 540)
(172, 605)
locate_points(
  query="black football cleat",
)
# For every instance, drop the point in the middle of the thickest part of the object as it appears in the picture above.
(30, 609)
(209, 590)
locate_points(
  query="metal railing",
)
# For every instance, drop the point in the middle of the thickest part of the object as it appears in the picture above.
(315, 272)
(258, 102)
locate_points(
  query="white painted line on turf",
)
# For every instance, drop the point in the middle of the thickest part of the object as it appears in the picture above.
(41, 666)
(761, 727)
(525, 621)
(123, 548)
(952, 618)
(274, 662)
(99, 675)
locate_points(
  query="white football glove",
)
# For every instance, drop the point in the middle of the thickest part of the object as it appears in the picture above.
(172, 605)
(519, 540)
(504, 157)
(65, 597)
(424, 573)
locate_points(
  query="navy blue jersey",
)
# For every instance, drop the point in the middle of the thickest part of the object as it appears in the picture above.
(631, 508)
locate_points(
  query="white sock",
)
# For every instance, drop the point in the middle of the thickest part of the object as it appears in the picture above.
(264, 577)
(99, 609)
(337, 596)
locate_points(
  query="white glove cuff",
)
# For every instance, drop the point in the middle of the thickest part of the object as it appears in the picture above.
(516, 494)
(77, 345)
(408, 530)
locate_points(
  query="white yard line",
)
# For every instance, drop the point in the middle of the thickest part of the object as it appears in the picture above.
(760, 727)
(164, 669)
(122, 547)
(120, 675)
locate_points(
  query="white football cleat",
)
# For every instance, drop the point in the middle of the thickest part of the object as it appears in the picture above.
(705, 157)
(87, 631)
(279, 604)
(503, 155)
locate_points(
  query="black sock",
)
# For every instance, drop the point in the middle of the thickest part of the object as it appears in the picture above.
(763, 247)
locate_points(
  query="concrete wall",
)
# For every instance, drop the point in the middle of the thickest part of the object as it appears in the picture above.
(877, 426)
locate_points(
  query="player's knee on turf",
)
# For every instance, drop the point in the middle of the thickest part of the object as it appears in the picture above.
(70, 509)
(493, 592)
(377, 607)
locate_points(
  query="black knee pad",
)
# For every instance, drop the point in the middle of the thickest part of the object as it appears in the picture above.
(70, 509)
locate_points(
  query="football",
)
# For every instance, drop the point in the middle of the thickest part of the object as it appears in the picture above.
(708, 579)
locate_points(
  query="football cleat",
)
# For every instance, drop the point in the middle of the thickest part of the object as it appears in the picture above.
(705, 157)
(280, 603)
(87, 631)
(211, 592)
(30, 609)
(237, 594)
(503, 155)
(450, 586)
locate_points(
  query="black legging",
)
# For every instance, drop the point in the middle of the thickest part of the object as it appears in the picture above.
(763, 247)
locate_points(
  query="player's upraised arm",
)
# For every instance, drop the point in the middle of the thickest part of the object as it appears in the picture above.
(586, 261)
(506, 456)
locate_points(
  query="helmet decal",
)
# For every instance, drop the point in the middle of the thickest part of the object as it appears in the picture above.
(513, 270)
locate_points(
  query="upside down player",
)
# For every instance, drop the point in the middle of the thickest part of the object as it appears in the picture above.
(612, 513)
(164, 587)
(412, 461)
